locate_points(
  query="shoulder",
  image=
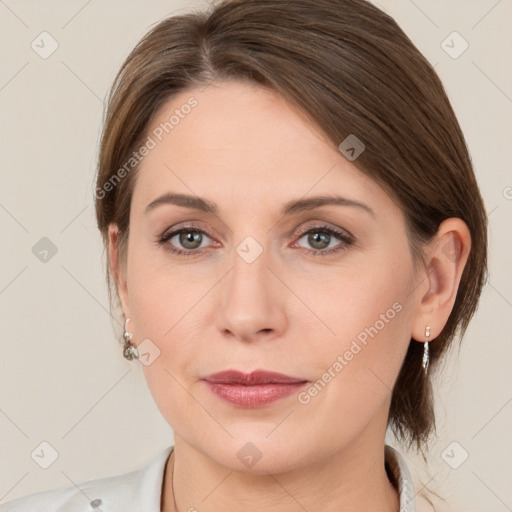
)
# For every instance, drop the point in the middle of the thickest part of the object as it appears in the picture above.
(410, 500)
(137, 490)
(44, 501)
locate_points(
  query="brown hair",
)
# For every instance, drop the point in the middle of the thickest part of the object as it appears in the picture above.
(350, 69)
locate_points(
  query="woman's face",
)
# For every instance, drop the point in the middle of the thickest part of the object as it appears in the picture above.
(252, 294)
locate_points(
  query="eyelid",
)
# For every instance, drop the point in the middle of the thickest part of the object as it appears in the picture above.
(327, 226)
(187, 226)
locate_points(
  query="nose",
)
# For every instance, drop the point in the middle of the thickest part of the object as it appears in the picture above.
(252, 303)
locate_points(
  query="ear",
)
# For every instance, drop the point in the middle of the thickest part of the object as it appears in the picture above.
(117, 269)
(445, 258)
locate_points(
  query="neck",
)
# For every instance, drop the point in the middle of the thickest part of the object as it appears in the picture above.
(353, 479)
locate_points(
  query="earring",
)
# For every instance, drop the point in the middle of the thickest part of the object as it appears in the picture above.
(425, 349)
(129, 350)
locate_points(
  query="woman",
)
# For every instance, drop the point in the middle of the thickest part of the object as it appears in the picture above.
(294, 235)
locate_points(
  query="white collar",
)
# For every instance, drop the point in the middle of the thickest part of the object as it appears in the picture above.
(398, 467)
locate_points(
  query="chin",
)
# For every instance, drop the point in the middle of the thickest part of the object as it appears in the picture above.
(256, 455)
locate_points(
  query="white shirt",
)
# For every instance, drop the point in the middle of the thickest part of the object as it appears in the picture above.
(141, 490)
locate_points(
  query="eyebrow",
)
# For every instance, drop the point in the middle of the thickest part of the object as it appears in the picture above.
(289, 208)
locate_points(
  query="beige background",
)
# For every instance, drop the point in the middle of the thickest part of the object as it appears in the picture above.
(63, 379)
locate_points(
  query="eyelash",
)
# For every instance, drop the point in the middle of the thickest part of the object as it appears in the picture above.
(345, 238)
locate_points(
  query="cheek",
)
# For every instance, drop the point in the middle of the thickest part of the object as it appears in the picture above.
(157, 292)
(162, 299)
(370, 314)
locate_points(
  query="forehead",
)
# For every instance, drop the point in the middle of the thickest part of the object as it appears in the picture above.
(238, 141)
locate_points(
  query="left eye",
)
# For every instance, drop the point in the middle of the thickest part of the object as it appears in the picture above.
(321, 238)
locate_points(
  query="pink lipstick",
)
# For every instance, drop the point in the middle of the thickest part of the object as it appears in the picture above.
(255, 389)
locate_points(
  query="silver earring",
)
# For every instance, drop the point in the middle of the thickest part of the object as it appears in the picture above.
(425, 350)
(129, 350)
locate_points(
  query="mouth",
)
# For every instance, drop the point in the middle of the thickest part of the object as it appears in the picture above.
(255, 389)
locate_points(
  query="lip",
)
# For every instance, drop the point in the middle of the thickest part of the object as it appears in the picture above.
(256, 377)
(255, 389)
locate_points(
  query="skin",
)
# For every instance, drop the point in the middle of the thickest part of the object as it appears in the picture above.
(246, 149)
